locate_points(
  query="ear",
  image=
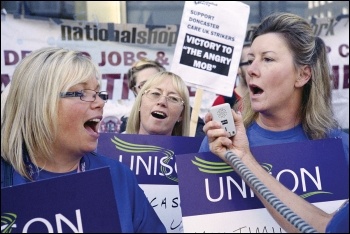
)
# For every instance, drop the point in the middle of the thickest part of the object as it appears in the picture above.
(304, 76)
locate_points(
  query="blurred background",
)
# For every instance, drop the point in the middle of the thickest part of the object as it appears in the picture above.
(162, 12)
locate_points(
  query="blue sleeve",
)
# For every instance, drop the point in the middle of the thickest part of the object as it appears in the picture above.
(144, 217)
(204, 145)
(340, 221)
(135, 212)
(345, 140)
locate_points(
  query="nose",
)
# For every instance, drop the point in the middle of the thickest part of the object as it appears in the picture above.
(253, 69)
(163, 100)
(98, 103)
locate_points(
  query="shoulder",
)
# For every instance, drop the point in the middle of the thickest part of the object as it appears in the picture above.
(204, 147)
(338, 133)
(6, 174)
(340, 221)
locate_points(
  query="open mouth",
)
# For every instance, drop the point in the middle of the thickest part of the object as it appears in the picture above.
(255, 89)
(159, 115)
(92, 124)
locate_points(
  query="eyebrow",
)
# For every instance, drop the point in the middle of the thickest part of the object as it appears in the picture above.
(269, 51)
(84, 84)
(263, 53)
(171, 92)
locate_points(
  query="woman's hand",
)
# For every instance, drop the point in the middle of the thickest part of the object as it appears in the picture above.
(218, 138)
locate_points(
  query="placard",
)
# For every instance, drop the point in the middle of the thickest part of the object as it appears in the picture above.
(80, 202)
(152, 159)
(215, 199)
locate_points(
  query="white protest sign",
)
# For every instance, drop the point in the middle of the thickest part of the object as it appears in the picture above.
(209, 44)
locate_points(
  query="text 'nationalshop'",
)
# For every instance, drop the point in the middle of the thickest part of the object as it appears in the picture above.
(133, 35)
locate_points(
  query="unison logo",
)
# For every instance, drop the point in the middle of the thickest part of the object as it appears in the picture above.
(206, 166)
(8, 222)
(209, 167)
(166, 155)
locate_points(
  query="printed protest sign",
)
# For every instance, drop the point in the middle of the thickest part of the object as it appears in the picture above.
(81, 202)
(209, 44)
(152, 159)
(214, 198)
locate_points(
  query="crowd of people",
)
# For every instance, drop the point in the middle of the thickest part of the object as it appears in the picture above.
(284, 95)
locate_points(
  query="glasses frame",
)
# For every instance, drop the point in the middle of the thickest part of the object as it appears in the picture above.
(181, 103)
(140, 85)
(102, 94)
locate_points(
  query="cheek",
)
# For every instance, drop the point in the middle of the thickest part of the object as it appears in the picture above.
(176, 112)
(146, 105)
(69, 116)
(67, 120)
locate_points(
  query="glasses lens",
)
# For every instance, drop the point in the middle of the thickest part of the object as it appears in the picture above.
(155, 95)
(174, 99)
(103, 95)
(90, 95)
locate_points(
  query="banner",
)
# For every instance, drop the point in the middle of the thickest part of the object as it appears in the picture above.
(214, 198)
(335, 34)
(152, 159)
(78, 203)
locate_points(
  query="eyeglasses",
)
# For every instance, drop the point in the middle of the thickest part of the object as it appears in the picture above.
(140, 85)
(155, 95)
(86, 95)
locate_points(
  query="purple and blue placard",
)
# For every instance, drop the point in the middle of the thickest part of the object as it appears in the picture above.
(152, 159)
(210, 189)
(72, 203)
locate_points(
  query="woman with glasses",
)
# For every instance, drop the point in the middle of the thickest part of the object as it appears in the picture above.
(161, 107)
(50, 128)
(138, 74)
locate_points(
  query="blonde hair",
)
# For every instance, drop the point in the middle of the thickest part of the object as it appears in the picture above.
(30, 114)
(139, 66)
(316, 111)
(181, 128)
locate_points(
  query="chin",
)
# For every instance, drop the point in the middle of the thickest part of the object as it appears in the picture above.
(91, 147)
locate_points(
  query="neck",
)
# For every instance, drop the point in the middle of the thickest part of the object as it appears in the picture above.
(274, 123)
(58, 166)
